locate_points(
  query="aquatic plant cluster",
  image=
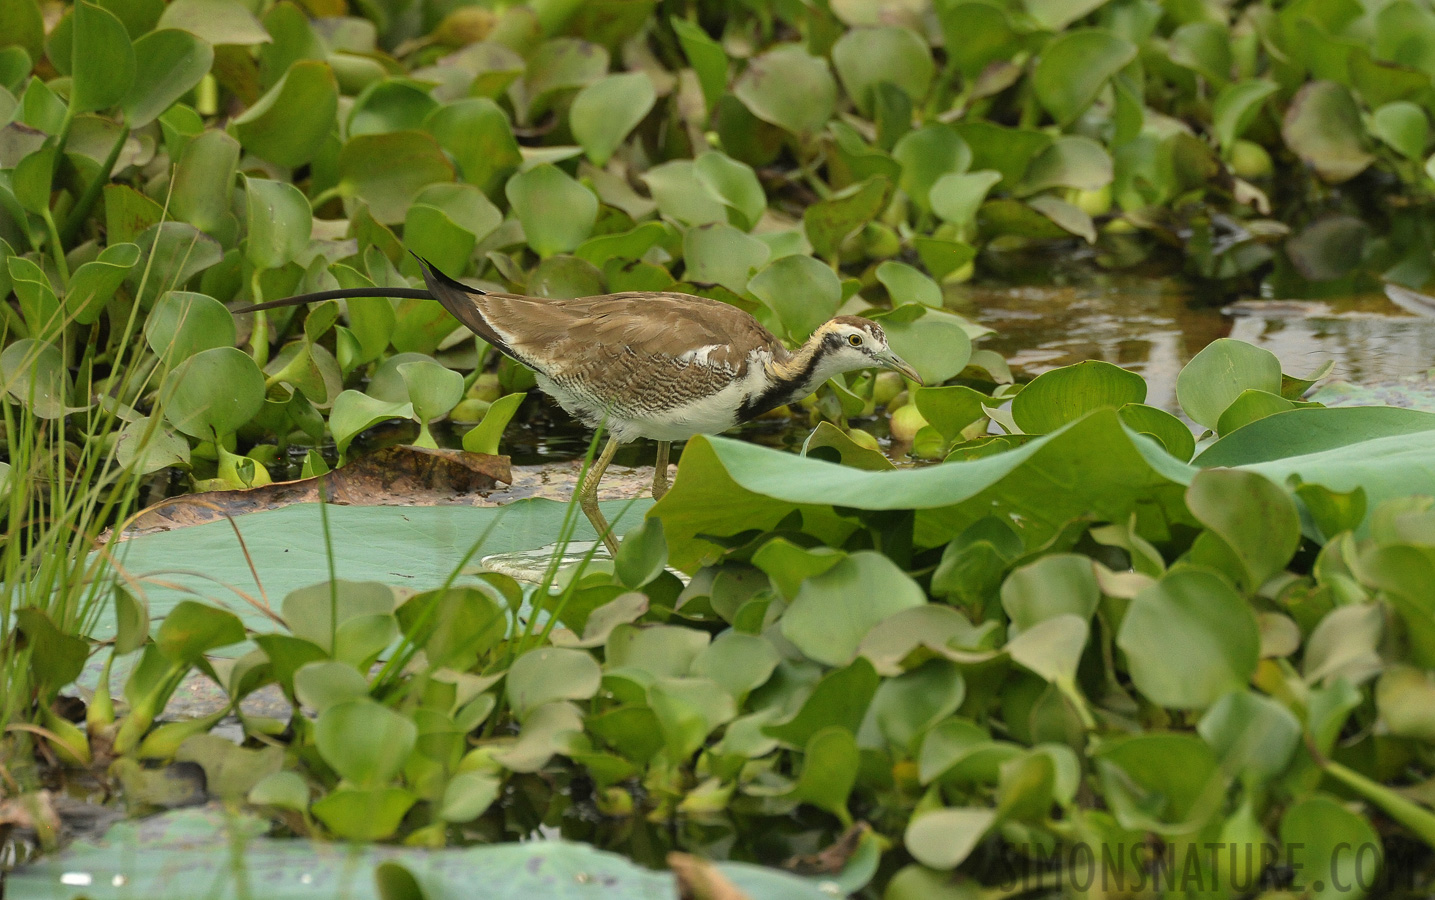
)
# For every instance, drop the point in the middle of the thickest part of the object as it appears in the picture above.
(1084, 637)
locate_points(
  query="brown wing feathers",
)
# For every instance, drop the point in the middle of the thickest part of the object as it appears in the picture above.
(559, 334)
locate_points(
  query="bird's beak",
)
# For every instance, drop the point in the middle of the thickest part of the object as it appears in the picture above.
(890, 360)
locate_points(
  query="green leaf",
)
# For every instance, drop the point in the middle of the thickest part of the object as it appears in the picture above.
(834, 611)
(93, 284)
(365, 742)
(22, 25)
(1064, 395)
(682, 196)
(927, 155)
(215, 21)
(830, 762)
(934, 341)
(1341, 852)
(486, 435)
(840, 698)
(279, 222)
(557, 212)
(722, 254)
(1069, 162)
(103, 61)
(642, 555)
(864, 57)
(359, 814)
(35, 375)
(1167, 783)
(1251, 734)
(957, 197)
(945, 838)
(182, 324)
(800, 290)
(1173, 434)
(541, 676)
(1216, 376)
(829, 222)
(1402, 125)
(321, 684)
(191, 629)
(1236, 108)
(212, 393)
(388, 171)
(433, 389)
(1188, 639)
(1255, 519)
(705, 55)
(476, 133)
(355, 412)
(169, 63)
(789, 88)
(735, 184)
(1055, 585)
(605, 112)
(688, 711)
(1074, 67)
(56, 658)
(1322, 126)
(291, 122)
(203, 186)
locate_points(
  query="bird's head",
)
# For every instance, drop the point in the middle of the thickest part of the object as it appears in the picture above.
(859, 343)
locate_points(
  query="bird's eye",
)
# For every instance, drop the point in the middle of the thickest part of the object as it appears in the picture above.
(854, 339)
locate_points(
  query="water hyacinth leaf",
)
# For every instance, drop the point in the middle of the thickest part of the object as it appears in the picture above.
(802, 291)
(355, 412)
(829, 771)
(1403, 126)
(487, 434)
(363, 814)
(35, 375)
(688, 710)
(468, 795)
(1055, 585)
(789, 88)
(1074, 67)
(57, 658)
(1322, 126)
(433, 390)
(1166, 428)
(1052, 647)
(1066, 216)
(557, 65)
(1345, 646)
(289, 124)
(93, 284)
(950, 409)
(279, 221)
(605, 112)
(1189, 639)
(905, 284)
(642, 554)
(926, 155)
(103, 62)
(739, 662)
(31, 178)
(174, 252)
(387, 171)
(321, 684)
(829, 222)
(1406, 699)
(1216, 376)
(1327, 831)
(192, 629)
(1064, 395)
(365, 741)
(705, 55)
(23, 25)
(1070, 161)
(934, 342)
(721, 254)
(477, 134)
(733, 182)
(957, 197)
(317, 612)
(943, 839)
(170, 63)
(682, 196)
(391, 104)
(203, 185)
(453, 626)
(1255, 518)
(834, 611)
(864, 57)
(215, 21)
(1251, 734)
(557, 212)
(1160, 782)
(212, 393)
(285, 790)
(542, 676)
(1236, 107)
(905, 707)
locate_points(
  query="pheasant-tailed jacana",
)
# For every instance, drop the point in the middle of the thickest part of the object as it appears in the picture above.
(657, 365)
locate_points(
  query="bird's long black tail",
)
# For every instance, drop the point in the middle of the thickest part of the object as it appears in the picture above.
(437, 280)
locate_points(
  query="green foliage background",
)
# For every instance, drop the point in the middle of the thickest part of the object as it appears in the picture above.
(1086, 629)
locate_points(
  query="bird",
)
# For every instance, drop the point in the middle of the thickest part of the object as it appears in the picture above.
(660, 365)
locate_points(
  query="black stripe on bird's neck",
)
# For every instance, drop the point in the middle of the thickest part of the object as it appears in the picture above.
(791, 382)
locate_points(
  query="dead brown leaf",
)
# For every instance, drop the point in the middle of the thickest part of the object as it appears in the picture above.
(393, 476)
(699, 879)
(33, 812)
(830, 859)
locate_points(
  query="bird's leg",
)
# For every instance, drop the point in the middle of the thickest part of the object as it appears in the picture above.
(660, 471)
(588, 496)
